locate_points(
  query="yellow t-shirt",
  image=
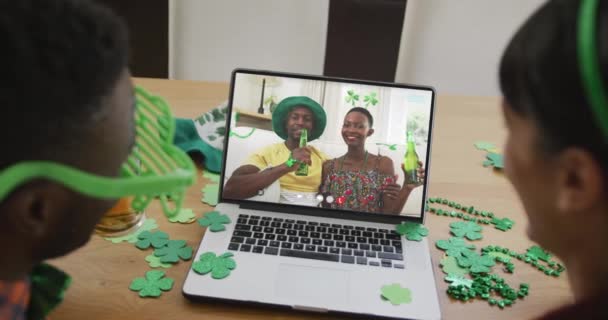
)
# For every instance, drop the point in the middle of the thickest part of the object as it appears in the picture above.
(277, 154)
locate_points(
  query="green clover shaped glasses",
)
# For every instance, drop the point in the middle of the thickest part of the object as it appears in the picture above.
(155, 168)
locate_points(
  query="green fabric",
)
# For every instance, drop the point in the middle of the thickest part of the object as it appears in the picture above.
(48, 286)
(279, 116)
(188, 140)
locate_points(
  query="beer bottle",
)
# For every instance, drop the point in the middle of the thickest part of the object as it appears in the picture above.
(303, 168)
(410, 161)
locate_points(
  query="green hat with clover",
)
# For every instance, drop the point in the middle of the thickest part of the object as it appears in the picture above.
(279, 116)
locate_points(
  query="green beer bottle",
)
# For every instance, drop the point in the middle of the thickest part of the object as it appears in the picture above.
(303, 168)
(410, 160)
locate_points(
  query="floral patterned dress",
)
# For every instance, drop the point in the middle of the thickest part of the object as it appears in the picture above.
(359, 190)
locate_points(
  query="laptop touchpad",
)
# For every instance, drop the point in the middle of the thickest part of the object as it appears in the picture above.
(312, 285)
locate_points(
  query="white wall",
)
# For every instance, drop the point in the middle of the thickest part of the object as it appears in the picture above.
(456, 45)
(209, 38)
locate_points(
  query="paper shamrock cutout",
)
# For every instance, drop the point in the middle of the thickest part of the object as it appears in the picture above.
(214, 177)
(455, 247)
(149, 224)
(485, 146)
(495, 160)
(396, 294)
(456, 280)
(470, 230)
(173, 251)
(536, 252)
(503, 224)
(450, 266)
(496, 254)
(152, 285)
(154, 262)
(219, 266)
(211, 194)
(214, 221)
(475, 262)
(412, 231)
(156, 239)
(184, 215)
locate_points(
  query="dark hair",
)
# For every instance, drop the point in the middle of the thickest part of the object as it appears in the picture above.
(540, 78)
(365, 112)
(59, 60)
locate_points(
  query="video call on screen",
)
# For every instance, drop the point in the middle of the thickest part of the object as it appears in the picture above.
(354, 131)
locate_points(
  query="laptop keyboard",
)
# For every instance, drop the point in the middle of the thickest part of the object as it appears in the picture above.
(320, 241)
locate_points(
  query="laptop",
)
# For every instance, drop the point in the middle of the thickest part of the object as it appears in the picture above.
(319, 235)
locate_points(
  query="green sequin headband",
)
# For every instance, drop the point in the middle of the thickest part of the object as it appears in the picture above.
(589, 64)
(155, 168)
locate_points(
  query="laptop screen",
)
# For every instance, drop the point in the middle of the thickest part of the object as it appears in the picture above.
(337, 144)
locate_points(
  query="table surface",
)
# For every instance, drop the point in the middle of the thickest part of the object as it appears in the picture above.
(102, 271)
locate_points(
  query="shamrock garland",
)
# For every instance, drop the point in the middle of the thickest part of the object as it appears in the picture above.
(152, 284)
(219, 266)
(214, 221)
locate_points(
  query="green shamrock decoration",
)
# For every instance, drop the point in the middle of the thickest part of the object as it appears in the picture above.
(494, 159)
(503, 224)
(219, 267)
(396, 294)
(475, 262)
(152, 285)
(154, 262)
(149, 224)
(370, 99)
(184, 215)
(174, 250)
(214, 221)
(412, 231)
(456, 280)
(210, 194)
(352, 97)
(455, 247)
(450, 266)
(156, 239)
(214, 177)
(470, 230)
(536, 252)
(485, 146)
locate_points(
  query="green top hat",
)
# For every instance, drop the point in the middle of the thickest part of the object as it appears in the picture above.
(279, 116)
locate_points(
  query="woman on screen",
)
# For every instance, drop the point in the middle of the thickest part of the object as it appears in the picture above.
(361, 181)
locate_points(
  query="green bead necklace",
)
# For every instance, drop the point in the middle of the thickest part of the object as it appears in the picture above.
(485, 284)
(551, 268)
(468, 213)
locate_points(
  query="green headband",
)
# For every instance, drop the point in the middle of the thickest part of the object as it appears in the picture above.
(155, 168)
(589, 63)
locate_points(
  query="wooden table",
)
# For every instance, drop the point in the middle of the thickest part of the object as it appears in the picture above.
(102, 271)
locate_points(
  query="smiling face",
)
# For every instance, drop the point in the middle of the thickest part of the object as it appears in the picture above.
(355, 129)
(299, 118)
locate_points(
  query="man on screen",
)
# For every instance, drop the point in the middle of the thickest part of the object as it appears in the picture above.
(280, 161)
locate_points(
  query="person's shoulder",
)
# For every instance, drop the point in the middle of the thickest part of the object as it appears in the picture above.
(319, 153)
(269, 148)
(385, 164)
